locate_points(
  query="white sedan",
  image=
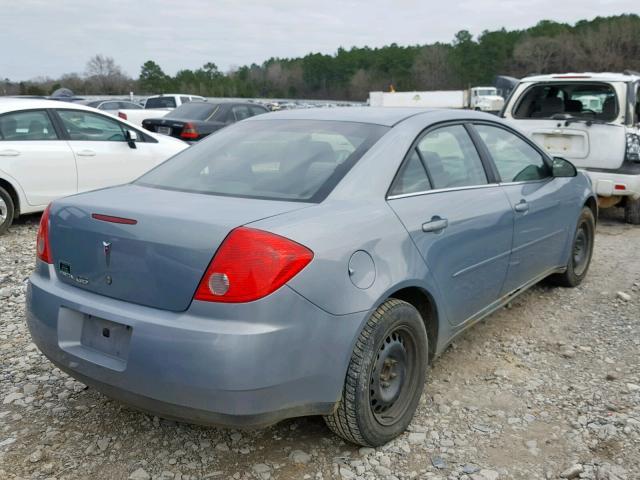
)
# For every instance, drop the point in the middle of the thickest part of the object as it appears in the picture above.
(51, 149)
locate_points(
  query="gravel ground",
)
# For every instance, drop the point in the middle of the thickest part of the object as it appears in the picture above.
(546, 388)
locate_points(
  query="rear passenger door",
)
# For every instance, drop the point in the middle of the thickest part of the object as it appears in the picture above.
(458, 217)
(540, 204)
(102, 153)
(32, 153)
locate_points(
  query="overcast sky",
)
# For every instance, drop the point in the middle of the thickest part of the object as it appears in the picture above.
(44, 37)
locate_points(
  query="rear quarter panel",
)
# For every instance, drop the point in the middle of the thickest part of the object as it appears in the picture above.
(334, 231)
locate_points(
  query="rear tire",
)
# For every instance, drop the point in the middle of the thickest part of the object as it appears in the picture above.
(581, 252)
(632, 211)
(7, 210)
(385, 377)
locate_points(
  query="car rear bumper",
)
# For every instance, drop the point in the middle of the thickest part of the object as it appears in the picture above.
(242, 365)
(608, 184)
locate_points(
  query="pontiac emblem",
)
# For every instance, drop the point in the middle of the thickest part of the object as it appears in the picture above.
(107, 252)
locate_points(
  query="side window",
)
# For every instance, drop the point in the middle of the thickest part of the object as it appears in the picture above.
(87, 126)
(241, 112)
(185, 99)
(128, 106)
(110, 106)
(27, 125)
(257, 110)
(412, 177)
(451, 158)
(515, 159)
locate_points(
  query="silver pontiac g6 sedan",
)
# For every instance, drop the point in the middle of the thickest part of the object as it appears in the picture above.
(308, 262)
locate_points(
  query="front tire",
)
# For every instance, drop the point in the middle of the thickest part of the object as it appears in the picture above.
(581, 252)
(632, 211)
(7, 210)
(385, 377)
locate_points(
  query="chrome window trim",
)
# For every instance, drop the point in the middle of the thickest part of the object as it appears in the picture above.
(440, 190)
(540, 180)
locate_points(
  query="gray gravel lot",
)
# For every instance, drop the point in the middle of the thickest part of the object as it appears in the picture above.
(547, 388)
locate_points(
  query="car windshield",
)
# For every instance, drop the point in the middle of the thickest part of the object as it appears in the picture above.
(160, 102)
(592, 101)
(194, 111)
(298, 160)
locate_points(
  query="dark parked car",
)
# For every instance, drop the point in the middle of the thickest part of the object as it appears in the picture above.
(195, 120)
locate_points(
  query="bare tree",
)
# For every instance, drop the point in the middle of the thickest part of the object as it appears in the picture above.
(105, 76)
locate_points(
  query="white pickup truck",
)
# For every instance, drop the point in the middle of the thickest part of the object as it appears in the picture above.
(157, 106)
(591, 119)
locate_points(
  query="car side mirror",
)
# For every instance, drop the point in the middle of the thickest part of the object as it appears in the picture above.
(562, 167)
(132, 138)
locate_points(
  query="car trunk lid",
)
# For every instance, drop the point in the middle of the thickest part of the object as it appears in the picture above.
(158, 246)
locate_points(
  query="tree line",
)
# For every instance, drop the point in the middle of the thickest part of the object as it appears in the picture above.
(602, 44)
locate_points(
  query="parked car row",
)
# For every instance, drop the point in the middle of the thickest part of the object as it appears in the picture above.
(328, 254)
(156, 106)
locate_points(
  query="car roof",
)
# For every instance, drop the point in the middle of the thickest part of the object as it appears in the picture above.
(8, 104)
(387, 116)
(584, 76)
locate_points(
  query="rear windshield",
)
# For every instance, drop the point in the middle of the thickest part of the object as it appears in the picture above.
(596, 101)
(194, 111)
(298, 160)
(160, 102)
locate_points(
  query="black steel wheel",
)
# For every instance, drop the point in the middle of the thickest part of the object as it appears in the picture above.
(385, 378)
(581, 252)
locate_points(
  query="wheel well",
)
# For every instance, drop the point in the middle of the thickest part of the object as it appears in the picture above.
(14, 196)
(423, 302)
(593, 205)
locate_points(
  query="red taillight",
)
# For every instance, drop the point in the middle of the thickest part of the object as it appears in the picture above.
(189, 131)
(619, 186)
(43, 251)
(251, 264)
(122, 115)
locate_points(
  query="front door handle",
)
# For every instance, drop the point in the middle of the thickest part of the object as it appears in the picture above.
(523, 206)
(9, 153)
(86, 153)
(436, 224)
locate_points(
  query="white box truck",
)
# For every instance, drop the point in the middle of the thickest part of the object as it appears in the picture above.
(476, 98)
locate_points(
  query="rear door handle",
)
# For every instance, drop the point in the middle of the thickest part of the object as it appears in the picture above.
(86, 153)
(523, 206)
(9, 153)
(436, 224)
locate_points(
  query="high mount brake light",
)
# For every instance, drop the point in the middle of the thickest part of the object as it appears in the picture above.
(112, 219)
(251, 264)
(43, 251)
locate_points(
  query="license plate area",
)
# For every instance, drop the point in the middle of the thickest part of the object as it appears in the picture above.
(94, 339)
(164, 130)
(105, 336)
(567, 143)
